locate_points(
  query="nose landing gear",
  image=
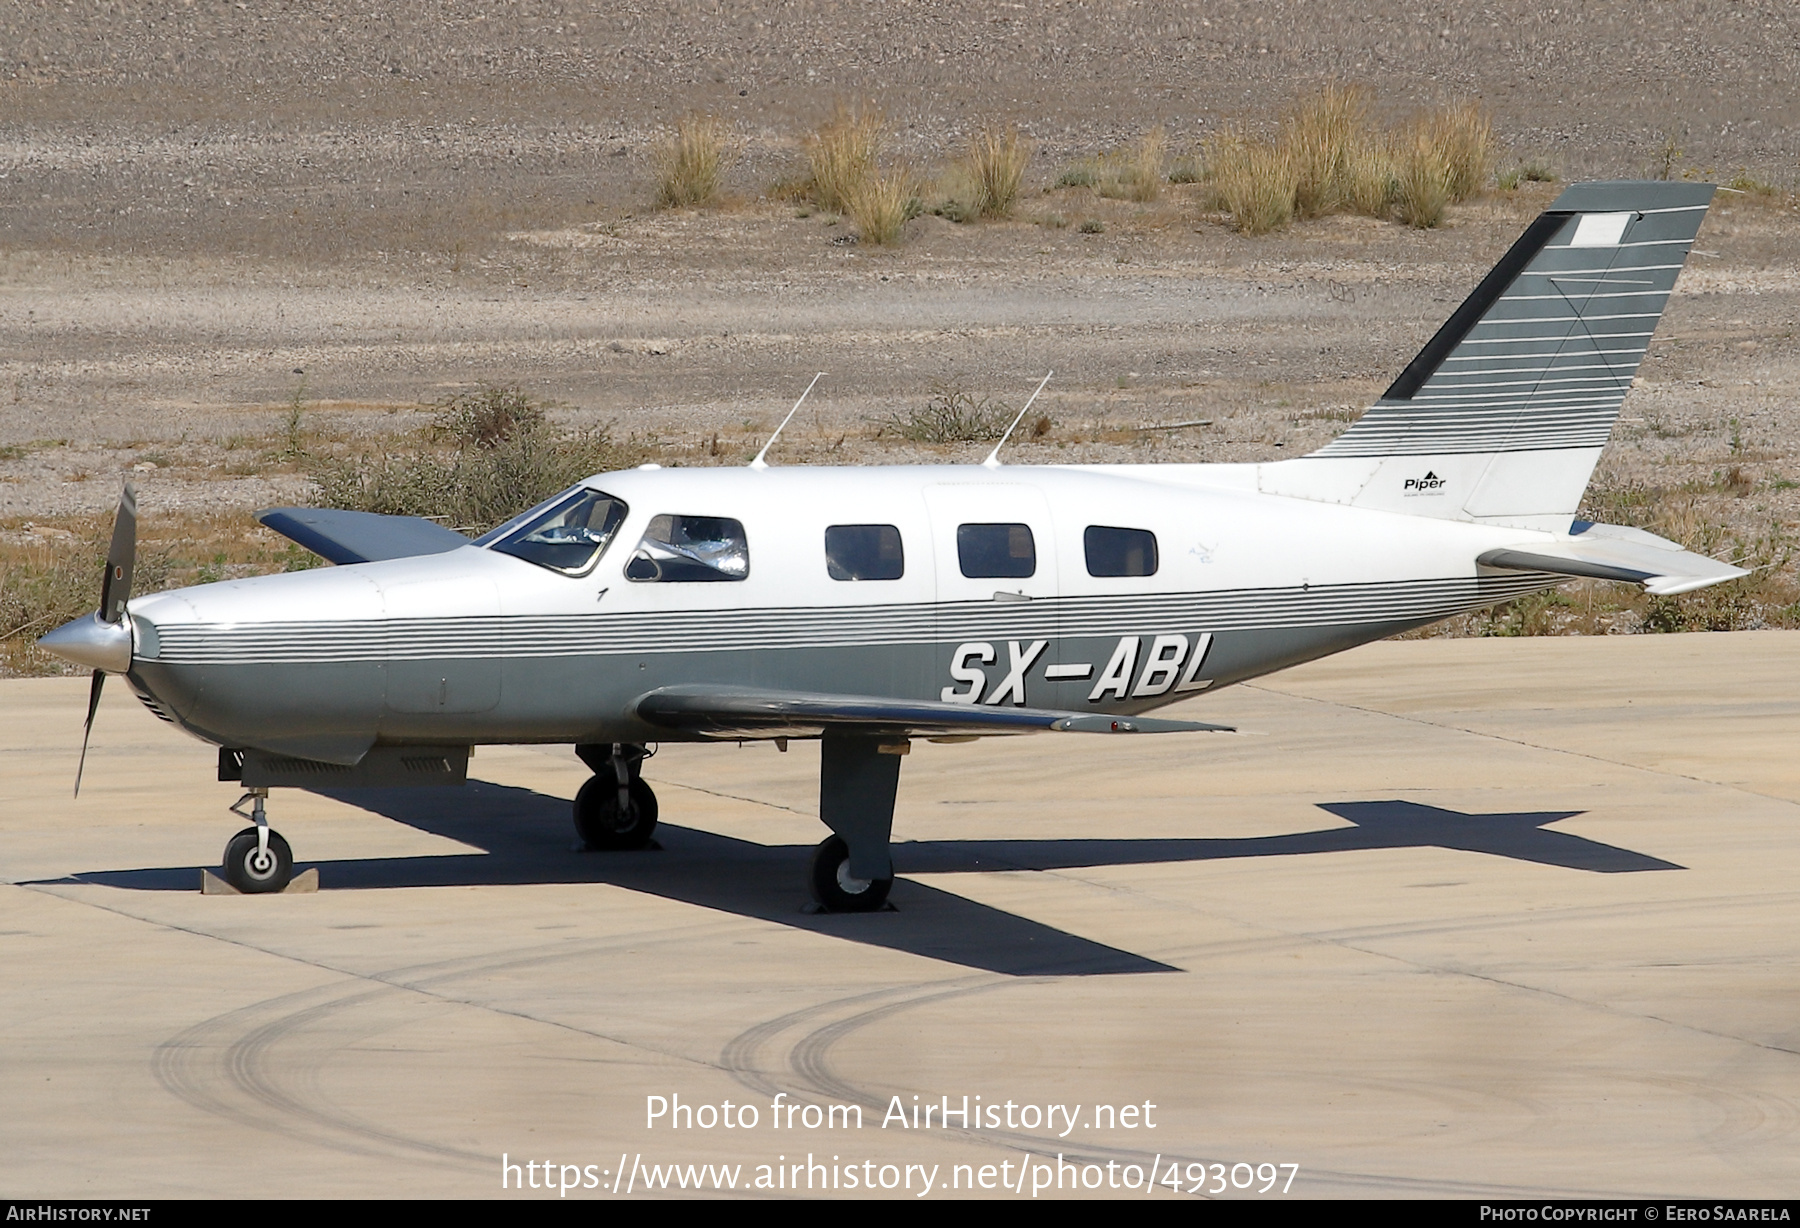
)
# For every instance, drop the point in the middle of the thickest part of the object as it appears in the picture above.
(615, 809)
(257, 860)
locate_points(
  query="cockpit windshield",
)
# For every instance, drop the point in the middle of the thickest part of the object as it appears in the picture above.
(567, 534)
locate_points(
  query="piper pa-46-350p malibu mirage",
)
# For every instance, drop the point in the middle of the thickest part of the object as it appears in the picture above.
(867, 606)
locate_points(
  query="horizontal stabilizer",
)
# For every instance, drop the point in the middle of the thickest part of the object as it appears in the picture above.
(360, 537)
(1614, 552)
(734, 712)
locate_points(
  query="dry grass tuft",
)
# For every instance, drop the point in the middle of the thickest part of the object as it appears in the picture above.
(880, 203)
(1422, 178)
(1325, 137)
(690, 162)
(843, 155)
(996, 164)
(1329, 157)
(1463, 136)
(1251, 180)
(1369, 180)
(1142, 176)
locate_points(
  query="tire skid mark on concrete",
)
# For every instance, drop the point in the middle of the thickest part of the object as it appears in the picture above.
(223, 1065)
(259, 1066)
(810, 1071)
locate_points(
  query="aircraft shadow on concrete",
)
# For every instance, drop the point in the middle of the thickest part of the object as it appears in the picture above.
(527, 839)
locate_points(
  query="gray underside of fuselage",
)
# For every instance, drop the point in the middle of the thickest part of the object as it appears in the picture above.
(583, 699)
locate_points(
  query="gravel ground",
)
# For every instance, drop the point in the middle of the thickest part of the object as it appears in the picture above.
(207, 212)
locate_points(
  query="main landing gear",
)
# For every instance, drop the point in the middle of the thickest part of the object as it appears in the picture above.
(859, 774)
(257, 860)
(615, 809)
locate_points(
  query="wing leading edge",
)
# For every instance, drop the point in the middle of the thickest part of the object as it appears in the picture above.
(734, 712)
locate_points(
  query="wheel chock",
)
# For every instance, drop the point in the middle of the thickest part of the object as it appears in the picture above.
(304, 883)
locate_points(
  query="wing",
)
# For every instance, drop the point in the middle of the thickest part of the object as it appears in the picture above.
(360, 537)
(736, 712)
(1614, 552)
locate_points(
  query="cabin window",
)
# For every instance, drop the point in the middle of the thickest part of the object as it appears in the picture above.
(567, 534)
(864, 552)
(691, 550)
(1119, 552)
(996, 551)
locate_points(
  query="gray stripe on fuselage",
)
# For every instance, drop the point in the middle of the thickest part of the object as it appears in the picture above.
(577, 697)
(705, 631)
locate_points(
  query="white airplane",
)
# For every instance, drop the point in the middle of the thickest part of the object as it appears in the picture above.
(865, 606)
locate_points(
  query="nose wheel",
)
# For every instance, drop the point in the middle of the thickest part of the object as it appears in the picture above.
(615, 809)
(257, 860)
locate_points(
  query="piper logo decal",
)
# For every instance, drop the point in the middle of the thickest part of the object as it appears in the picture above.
(1171, 663)
(1430, 484)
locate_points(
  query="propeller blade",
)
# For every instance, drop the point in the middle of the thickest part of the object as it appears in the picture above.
(115, 589)
(88, 729)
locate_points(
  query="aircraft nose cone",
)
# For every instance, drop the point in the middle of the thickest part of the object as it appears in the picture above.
(92, 642)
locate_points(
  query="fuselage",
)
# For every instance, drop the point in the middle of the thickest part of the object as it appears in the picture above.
(1129, 587)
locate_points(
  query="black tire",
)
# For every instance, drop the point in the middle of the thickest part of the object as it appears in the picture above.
(833, 887)
(242, 869)
(597, 818)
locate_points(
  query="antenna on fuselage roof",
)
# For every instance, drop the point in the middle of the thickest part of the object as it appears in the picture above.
(759, 462)
(993, 460)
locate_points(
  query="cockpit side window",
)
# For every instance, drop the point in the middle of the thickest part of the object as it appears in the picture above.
(568, 534)
(690, 550)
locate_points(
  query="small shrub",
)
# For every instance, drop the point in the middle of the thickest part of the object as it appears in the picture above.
(506, 458)
(843, 154)
(1666, 158)
(951, 416)
(689, 164)
(487, 418)
(1748, 184)
(1535, 171)
(1081, 175)
(1188, 168)
(996, 163)
(1092, 226)
(955, 209)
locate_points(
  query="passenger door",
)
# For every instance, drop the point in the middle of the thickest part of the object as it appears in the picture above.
(994, 549)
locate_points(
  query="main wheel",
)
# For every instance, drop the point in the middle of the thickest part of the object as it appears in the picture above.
(599, 822)
(836, 889)
(255, 872)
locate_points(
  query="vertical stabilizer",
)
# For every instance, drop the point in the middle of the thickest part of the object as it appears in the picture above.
(1502, 416)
